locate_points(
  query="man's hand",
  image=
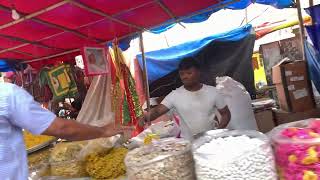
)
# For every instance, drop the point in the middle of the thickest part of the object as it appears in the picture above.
(142, 121)
(225, 117)
(153, 114)
(111, 130)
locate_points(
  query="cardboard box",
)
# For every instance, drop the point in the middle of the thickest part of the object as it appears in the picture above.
(265, 121)
(282, 117)
(293, 86)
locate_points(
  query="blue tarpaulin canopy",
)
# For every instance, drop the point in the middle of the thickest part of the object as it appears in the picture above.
(312, 51)
(164, 61)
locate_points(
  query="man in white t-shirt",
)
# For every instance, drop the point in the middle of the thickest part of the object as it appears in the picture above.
(196, 103)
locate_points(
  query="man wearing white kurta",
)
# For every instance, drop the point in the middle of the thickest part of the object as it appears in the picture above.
(18, 111)
(195, 102)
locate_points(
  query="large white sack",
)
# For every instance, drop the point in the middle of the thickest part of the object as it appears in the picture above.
(239, 103)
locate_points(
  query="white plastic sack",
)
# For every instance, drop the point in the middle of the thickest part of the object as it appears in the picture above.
(239, 104)
(96, 109)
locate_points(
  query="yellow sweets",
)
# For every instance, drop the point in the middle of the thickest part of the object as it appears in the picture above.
(106, 165)
(35, 140)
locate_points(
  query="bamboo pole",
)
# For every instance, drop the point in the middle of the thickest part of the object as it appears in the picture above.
(301, 27)
(145, 76)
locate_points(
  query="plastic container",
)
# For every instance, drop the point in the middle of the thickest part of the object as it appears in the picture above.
(166, 159)
(297, 149)
(237, 154)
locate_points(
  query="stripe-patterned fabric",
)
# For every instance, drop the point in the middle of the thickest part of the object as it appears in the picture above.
(18, 111)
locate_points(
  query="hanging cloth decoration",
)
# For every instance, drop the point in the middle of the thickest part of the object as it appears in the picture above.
(60, 81)
(125, 102)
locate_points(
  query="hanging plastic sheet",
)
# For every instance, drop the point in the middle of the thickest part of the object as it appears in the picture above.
(96, 109)
(312, 50)
(314, 12)
(314, 30)
(314, 34)
(313, 58)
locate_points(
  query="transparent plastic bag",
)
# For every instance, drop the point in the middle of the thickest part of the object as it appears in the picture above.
(66, 151)
(236, 154)
(98, 145)
(71, 169)
(163, 129)
(64, 161)
(166, 159)
(297, 149)
(41, 170)
(63, 178)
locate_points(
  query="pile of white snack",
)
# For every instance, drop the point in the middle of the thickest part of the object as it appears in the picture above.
(168, 159)
(235, 158)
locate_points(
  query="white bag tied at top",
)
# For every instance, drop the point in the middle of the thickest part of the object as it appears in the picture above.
(239, 103)
(96, 109)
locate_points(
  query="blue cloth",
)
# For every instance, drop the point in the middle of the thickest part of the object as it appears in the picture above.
(313, 58)
(312, 51)
(314, 12)
(18, 111)
(314, 34)
(314, 30)
(124, 43)
(5, 67)
(164, 61)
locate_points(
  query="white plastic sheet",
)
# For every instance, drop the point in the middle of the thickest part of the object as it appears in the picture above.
(96, 109)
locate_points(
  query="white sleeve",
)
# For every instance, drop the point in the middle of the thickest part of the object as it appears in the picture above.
(220, 102)
(168, 101)
(27, 114)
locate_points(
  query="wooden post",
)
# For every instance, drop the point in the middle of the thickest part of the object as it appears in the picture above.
(145, 76)
(301, 27)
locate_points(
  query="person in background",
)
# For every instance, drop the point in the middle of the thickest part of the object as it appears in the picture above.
(9, 77)
(74, 108)
(194, 102)
(18, 110)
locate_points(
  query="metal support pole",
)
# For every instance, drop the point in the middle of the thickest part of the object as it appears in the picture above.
(145, 76)
(312, 12)
(311, 3)
(246, 15)
(301, 27)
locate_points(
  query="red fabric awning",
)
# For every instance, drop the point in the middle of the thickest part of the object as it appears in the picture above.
(48, 28)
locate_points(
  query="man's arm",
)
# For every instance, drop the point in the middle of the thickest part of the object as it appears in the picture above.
(225, 117)
(74, 131)
(154, 113)
(27, 114)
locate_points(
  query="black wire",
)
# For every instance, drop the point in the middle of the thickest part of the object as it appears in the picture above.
(258, 15)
